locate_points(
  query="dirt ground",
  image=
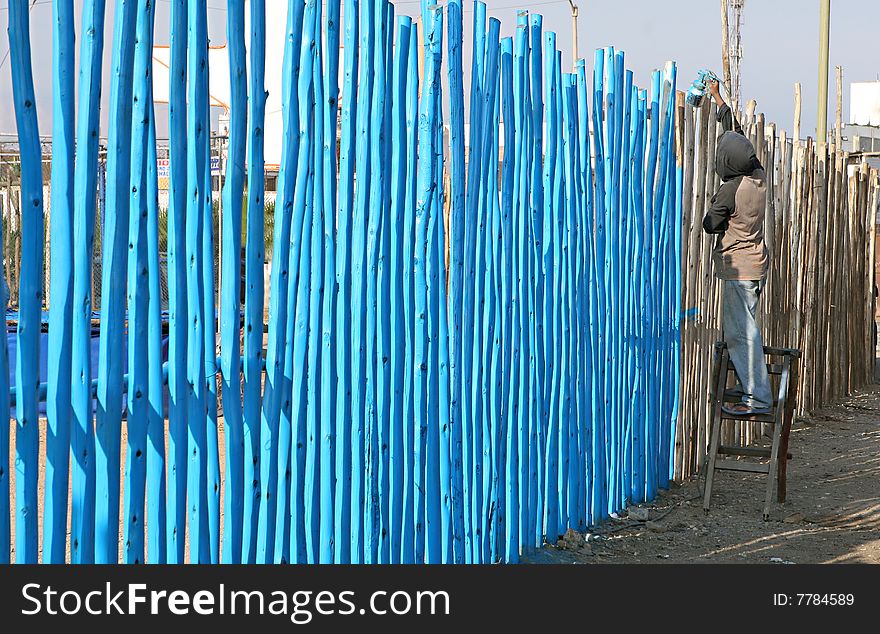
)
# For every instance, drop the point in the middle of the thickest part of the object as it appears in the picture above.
(831, 514)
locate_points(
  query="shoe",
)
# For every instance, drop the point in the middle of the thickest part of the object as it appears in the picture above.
(741, 409)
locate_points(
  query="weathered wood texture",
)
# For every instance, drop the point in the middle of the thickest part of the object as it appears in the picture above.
(820, 292)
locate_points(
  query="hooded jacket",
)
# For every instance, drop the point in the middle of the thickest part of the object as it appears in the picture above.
(737, 212)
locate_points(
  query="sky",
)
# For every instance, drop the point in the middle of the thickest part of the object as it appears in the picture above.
(779, 38)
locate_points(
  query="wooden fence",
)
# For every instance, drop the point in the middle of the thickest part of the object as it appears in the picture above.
(820, 223)
(429, 389)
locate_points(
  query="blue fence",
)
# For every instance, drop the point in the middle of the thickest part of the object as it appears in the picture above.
(472, 341)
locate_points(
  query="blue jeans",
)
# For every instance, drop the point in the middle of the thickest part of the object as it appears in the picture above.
(744, 341)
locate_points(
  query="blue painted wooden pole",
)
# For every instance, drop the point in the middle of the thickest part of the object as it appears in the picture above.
(482, 310)
(374, 218)
(424, 545)
(209, 299)
(5, 390)
(435, 287)
(649, 258)
(576, 429)
(111, 348)
(456, 265)
(625, 345)
(586, 330)
(178, 392)
(568, 452)
(444, 470)
(673, 270)
(550, 268)
(516, 463)
(197, 139)
(380, 254)
(138, 297)
(505, 456)
(316, 292)
(399, 175)
(514, 381)
(470, 245)
(295, 406)
(616, 237)
(545, 257)
(254, 280)
(82, 437)
(560, 335)
(536, 232)
(624, 372)
(156, 487)
(599, 507)
(5, 498)
(347, 141)
(30, 297)
(608, 238)
(359, 285)
(315, 302)
(230, 319)
(492, 332)
(407, 540)
(560, 363)
(636, 412)
(283, 485)
(666, 236)
(61, 295)
(270, 413)
(582, 363)
(328, 310)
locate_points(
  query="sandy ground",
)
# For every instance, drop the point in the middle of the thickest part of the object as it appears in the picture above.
(831, 514)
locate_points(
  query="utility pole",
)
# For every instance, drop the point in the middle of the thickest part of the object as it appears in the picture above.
(822, 112)
(838, 113)
(574, 34)
(725, 45)
(731, 49)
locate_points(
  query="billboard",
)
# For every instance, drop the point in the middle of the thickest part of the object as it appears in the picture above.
(163, 171)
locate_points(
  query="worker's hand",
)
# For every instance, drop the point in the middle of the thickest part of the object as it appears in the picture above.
(712, 85)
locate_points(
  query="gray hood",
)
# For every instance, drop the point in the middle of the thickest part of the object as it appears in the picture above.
(735, 156)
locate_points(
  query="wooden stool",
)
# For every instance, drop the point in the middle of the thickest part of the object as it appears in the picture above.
(780, 417)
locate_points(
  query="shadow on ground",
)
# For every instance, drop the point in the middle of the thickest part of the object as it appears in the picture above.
(831, 514)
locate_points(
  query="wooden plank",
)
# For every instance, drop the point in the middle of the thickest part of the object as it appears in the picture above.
(746, 451)
(736, 465)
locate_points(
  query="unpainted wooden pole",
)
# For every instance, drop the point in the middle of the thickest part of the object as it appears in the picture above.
(838, 131)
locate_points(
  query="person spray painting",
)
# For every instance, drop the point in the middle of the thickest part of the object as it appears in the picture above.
(740, 258)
